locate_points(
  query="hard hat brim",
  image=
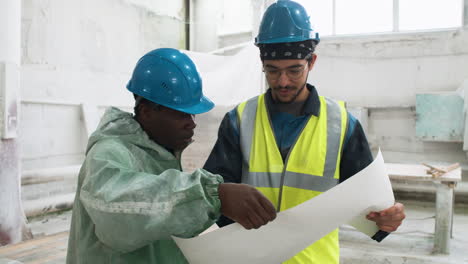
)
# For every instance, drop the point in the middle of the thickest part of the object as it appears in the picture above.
(203, 106)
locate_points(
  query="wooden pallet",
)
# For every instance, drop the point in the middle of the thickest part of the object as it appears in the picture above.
(45, 250)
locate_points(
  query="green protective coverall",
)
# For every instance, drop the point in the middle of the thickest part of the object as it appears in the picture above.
(132, 196)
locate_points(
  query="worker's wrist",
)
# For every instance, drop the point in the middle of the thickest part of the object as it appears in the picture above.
(221, 188)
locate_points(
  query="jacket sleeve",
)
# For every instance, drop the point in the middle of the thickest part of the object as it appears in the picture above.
(356, 152)
(130, 208)
(226, 157)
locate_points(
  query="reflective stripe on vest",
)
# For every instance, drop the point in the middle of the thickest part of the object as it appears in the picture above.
(312, 164)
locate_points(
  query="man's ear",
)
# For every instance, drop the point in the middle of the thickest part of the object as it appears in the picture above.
(312, 61)
(144, 110)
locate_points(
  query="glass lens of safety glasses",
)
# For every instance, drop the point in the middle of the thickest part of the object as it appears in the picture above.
(292, 73)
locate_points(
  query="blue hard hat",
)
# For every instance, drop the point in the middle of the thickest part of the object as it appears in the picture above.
(285, 21)
(170, 78)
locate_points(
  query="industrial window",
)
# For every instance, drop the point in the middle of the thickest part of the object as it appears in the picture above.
(363, 16)
(340, 17)
(429, 14)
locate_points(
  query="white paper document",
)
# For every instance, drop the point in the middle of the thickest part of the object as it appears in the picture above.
(298, 227)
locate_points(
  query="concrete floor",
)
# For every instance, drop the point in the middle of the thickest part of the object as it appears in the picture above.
(411, 243)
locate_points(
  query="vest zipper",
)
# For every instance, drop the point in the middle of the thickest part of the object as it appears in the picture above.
(285, 162)
(280, 195)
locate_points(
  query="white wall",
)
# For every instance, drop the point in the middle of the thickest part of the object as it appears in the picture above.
(12, 220)
(390, 69)
(83, 51)
(236, 16)
(384, 73)
(219, 23)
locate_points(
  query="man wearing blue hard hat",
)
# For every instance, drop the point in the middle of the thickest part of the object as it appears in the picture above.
(290, 143)
(132, 194)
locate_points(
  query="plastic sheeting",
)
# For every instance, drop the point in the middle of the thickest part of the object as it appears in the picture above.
(229, 80)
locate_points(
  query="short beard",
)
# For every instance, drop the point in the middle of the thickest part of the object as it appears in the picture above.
(295, 95)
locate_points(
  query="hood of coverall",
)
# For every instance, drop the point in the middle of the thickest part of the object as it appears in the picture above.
(118, 124)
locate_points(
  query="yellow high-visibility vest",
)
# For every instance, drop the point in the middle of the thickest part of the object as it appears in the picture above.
(312, 165)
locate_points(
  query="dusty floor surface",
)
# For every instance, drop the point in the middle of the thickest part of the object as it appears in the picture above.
(411, 243)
